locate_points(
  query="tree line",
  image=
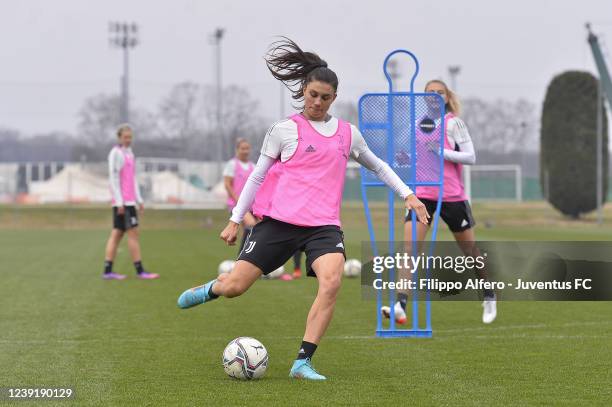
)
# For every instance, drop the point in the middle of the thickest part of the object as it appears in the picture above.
(184, 125)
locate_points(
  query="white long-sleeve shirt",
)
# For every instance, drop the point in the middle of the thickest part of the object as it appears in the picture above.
(281, 142)
(115, 164)
(459, 138)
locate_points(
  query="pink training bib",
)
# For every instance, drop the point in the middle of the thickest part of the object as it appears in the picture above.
(126, 176)
(453, 182)
(240, 178)
(306, 190)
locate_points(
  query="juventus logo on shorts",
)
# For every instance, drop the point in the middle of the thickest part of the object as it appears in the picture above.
(250, 247)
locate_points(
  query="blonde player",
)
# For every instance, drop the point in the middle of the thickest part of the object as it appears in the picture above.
(125, 198)
(455, 210)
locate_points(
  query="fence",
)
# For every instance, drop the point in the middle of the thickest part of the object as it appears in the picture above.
(185, 183)
(163, 182)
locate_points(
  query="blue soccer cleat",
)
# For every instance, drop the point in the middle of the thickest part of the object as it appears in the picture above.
(195, 296)
(302, 369)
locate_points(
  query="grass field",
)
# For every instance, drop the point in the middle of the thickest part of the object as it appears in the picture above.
(126, 343)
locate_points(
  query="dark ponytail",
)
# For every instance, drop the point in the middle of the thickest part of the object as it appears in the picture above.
(296, 68)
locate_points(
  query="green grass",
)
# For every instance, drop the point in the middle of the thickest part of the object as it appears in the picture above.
(126, 343)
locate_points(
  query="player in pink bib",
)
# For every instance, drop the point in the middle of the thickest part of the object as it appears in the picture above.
(455, 211)
(235, 175)
(125, 196)
(296, 188)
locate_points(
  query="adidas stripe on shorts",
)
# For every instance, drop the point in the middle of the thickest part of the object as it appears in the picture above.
(457, 215)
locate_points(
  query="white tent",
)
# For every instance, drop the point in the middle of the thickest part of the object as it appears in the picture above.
(219, 191)
(71, 184)
(170, 188)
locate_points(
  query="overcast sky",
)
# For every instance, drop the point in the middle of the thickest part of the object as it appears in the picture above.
(55, 53)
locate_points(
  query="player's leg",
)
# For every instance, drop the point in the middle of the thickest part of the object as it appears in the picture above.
(265, 250)
(399, 310)
(461, 223)
(328, 269)
(466, 240)
(237, 282)
(324, 247)
(111, 246)
(133, 237)
(110, 253)
(228, 285)
(297, 261)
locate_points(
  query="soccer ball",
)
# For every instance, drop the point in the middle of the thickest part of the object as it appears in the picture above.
(245, 358)
(352, 268)
(226, 266)
(275, 274)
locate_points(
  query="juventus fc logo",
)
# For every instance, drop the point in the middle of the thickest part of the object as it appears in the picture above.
(250, 247)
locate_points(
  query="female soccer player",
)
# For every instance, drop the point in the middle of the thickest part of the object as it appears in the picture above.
(235, 175)
(301, 196)
(455, 209)
(125, 196)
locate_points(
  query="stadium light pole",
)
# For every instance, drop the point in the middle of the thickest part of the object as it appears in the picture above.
(454, 71)
(124, 35)
(217, 37)
(599, 160)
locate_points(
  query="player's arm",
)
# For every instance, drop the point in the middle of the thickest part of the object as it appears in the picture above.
(228, 179)
(364, 156)
(458, 132)
(246, 198)
(270, 151)
(139, 199)
(227, 182)
(115, 163)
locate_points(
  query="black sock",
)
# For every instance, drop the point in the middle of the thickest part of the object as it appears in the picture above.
(403, 300)
(138, 266)
(488, 293)
(108, 266)
(212, 295)
(297, 259)
(307, 350)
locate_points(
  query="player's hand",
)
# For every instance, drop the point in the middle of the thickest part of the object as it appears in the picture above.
(230, 233)
(434, 147)
(141, 207)
(412, 202)
(121, 210)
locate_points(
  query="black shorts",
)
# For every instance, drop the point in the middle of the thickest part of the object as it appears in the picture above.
(127, 221)
(457, 215)
(272, 242)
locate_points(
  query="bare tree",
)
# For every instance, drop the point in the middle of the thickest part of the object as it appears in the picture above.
(99, 117)
(240, 118)
(501, 126)
(180, 112)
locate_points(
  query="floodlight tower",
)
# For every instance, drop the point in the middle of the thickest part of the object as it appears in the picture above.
(454, 71)
(124, 35)
(217, 37)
